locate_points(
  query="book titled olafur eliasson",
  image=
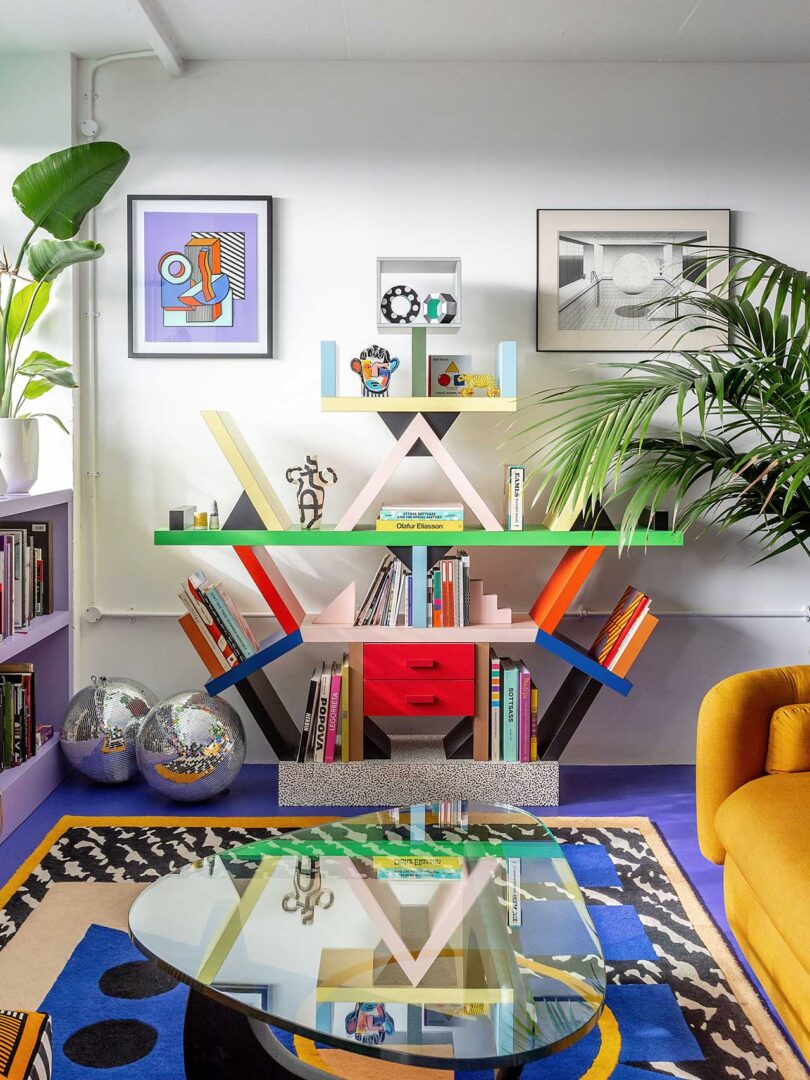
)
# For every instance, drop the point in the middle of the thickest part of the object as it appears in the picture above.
(421, 517)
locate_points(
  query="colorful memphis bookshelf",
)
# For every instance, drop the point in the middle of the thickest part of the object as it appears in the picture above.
(420, 670)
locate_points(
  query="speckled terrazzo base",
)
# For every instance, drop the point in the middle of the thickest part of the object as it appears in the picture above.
(417, 773)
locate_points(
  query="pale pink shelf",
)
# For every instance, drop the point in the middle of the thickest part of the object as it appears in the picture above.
(522, 628)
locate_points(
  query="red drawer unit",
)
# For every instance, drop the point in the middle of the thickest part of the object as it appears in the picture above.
(419, 697)
(419, 661)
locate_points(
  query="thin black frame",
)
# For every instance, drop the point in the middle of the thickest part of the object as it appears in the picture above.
(268, 355)
(608, 210)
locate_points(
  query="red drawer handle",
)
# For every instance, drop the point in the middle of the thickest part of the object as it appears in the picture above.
(427, 662)
(420, 699)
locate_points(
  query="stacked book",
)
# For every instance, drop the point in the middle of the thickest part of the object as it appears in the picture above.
(620, 638)
(18, 729)
(217, 629)
(325, 732)
(26, 573)
(449, 591)
(513, 705)
(422, 518)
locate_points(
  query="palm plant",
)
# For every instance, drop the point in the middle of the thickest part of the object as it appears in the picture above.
(55, 194)
(723, 432)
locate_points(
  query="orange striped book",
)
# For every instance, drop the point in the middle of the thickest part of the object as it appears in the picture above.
(215, 663)
(637, 641)
(631, 606)
(563, 585)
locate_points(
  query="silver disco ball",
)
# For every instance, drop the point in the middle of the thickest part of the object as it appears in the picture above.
(101, 725)
(191, 746)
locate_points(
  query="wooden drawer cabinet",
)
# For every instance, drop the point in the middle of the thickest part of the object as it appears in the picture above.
(419, 697)
(418, 661)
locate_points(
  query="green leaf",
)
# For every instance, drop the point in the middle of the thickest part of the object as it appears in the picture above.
(19, 306)
(57, 193)
(50, 416)
(48, 258)
(35, 388)
(39, 363)
(63, 377)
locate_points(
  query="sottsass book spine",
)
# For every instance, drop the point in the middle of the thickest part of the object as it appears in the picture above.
(510, 706)
(334, 713)
(524, 714)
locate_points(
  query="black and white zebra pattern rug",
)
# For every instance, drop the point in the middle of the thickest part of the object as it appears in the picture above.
(679, 1004)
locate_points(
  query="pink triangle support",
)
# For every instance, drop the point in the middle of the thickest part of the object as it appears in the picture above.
(342, 610)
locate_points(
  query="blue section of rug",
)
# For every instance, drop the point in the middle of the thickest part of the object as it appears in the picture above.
(114, 1013)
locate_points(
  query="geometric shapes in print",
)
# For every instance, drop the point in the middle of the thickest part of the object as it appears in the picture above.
(198, 285)
(593, 867)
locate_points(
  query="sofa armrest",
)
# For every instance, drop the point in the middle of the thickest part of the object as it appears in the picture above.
(732, 738)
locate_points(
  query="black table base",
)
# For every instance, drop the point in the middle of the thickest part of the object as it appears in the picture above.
(221, 1043)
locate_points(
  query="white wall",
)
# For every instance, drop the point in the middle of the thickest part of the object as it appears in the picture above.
(36, 91)
(410, 159)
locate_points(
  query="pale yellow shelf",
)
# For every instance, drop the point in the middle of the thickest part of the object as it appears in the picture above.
(419, 404)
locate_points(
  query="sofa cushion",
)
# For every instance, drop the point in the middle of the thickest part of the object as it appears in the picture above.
(789, 740)
(765, 828)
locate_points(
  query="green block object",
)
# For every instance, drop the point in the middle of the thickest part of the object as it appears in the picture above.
(419, 361)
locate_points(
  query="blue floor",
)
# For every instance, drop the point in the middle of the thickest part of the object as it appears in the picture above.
(665, 794)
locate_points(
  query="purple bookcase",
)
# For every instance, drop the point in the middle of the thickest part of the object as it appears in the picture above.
(48, 644)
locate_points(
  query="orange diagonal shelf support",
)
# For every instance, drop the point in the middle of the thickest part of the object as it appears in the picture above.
(563, 585)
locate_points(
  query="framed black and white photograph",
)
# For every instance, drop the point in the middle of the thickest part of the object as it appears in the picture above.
(599, 270)
(200, 276)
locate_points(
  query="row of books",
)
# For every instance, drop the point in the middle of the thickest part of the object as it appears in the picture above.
(391, 593)
(618, 637)
(18, 732)
(26, 573)
(217, 620)
(421, 518)
(325, 731)
(513, 710)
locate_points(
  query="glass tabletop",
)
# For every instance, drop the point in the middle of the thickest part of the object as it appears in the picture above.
(452, 933)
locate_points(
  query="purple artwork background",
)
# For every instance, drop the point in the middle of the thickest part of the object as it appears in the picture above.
(168, 231)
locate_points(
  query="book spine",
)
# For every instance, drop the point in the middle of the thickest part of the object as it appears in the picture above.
(322, 717)
(214, 661)
(419, 526)
(238, 618)
(511, 705)
(209, 629)
(627, 632)
(518, 477)
(465, 582)
(396, 513)
(534, 703)
(344, 709)
(495, 706)
(333, 715)
(437, 597)
(524, 715)
(230, 627)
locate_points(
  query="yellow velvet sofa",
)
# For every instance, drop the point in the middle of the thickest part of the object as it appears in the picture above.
(753, 811)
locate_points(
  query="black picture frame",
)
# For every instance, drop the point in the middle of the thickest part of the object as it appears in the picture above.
(542, 345)
(190, 353)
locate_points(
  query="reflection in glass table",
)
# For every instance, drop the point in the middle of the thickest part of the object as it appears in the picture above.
(451, 935)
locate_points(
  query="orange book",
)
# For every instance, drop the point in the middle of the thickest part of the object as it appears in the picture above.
(214, 663)
(563, 585)
(634, 646)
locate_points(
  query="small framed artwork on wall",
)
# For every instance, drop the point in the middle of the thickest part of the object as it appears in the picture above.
(200, 276)
(599, 273)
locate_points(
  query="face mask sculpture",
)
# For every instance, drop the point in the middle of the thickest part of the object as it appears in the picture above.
(375, 368)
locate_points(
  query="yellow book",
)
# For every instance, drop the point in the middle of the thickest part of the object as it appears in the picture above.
(344, 709)
(419, 526)
(533, 711)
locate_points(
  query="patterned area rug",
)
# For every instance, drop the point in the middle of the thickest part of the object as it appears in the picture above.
(678, 1004)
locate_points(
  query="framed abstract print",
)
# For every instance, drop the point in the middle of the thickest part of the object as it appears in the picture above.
(599, 270)
(200, 276)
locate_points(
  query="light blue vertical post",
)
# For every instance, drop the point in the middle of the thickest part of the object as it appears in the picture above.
(506, 368)
(328, 369)
(419, 585)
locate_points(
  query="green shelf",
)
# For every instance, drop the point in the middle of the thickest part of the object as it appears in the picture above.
(368, 536)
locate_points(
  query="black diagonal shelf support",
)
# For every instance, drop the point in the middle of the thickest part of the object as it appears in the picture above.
(439, 424)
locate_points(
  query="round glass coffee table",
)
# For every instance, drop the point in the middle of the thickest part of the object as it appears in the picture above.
(450, 935)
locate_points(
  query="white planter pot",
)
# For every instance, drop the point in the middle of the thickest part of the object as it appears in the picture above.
(19, 454)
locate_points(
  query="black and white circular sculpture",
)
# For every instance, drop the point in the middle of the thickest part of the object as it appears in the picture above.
(400, 305)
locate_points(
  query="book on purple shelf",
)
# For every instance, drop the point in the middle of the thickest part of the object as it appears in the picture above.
(524, 714)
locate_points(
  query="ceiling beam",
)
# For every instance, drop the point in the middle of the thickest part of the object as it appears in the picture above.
(150, 21)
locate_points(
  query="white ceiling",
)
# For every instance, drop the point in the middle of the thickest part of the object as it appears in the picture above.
(550, 30)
